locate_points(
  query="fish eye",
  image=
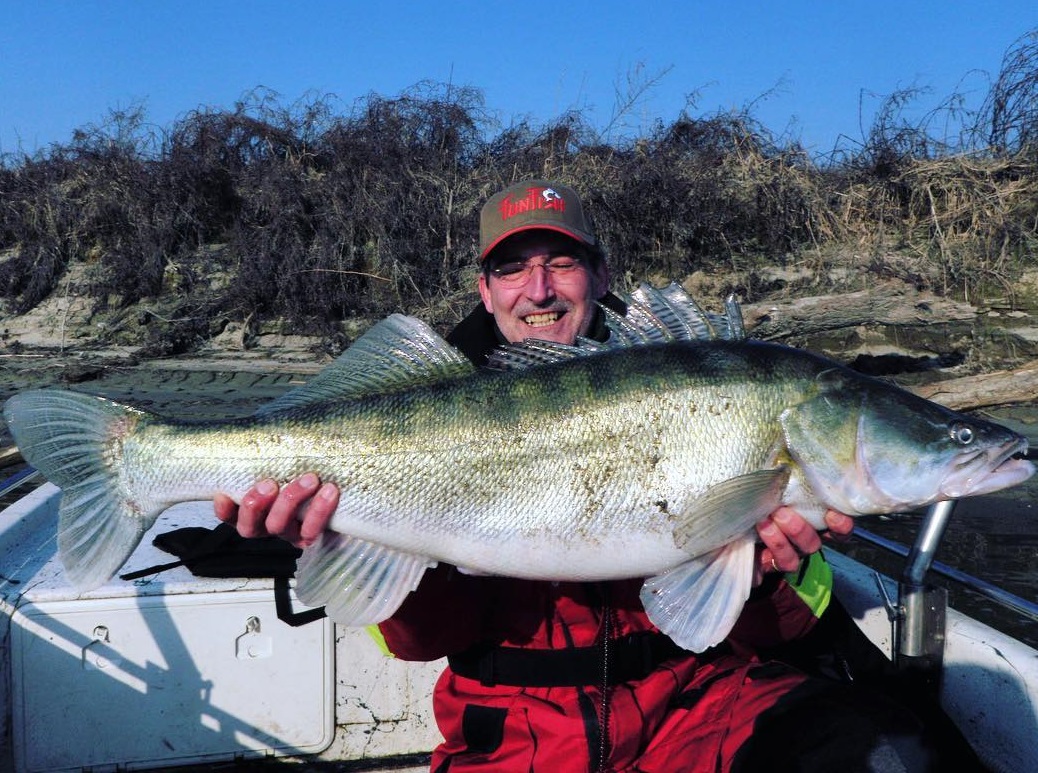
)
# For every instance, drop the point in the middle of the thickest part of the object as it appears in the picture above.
(961, 433)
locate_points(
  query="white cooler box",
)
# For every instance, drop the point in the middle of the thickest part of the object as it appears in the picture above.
(165, 670)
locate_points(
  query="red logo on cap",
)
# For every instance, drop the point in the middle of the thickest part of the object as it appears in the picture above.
(536, 198)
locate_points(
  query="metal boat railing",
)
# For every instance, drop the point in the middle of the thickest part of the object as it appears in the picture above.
(999, 595)
(18, 480)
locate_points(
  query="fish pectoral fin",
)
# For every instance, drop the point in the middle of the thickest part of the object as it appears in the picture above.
(358, 583)
(729, 508)
(697, 603)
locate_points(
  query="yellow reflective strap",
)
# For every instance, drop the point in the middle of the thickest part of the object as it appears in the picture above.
(376, 633)
(813, 582)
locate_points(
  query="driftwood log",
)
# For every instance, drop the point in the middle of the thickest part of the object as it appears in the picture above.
(894, 305)
(886, 304)
(1003, 387)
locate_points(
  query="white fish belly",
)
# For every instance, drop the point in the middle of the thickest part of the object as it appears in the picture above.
(525, 547)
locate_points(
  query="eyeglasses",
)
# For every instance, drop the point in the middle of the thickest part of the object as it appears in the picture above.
(518, 272)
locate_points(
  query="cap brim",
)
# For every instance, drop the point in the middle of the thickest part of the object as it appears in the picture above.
(570, 232)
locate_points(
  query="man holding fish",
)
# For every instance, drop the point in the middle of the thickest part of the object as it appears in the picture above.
(561, 676)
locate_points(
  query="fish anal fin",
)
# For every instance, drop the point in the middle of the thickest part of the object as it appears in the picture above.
(359, 583)
(95, 537)
(697, 603)
(730, 508)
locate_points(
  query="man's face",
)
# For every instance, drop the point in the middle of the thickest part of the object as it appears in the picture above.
(551, 305)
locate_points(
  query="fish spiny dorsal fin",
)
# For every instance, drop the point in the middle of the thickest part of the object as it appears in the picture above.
(702, 324)
(669, 314)
(654, 316)
(733, 314)
(396, 353)
(673, 308)
(638, 328)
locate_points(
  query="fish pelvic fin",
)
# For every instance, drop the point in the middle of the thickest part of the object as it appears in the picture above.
(697, 603)
(358, 583)
(69, 437)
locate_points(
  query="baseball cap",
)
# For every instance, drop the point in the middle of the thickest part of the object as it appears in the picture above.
(530, 205)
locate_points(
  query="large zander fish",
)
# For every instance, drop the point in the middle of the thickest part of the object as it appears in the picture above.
(652, 457)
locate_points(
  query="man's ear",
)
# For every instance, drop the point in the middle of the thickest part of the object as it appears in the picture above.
(484, 293)
(600, 280)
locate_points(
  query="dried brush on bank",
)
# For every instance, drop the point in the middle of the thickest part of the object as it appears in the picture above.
(301, 214)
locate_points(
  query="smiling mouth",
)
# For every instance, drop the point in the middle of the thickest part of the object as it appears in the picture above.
(543, 319)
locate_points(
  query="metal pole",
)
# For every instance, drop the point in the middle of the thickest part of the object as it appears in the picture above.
(921, 557)
(922, 608)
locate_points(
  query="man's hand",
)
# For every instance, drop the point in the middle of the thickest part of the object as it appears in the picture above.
(297, 513)
(787, 538)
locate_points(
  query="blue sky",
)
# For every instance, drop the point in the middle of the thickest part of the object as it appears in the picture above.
(810, 70)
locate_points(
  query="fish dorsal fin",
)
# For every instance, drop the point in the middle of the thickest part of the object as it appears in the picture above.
(697, 603)
(397, 352)
(533, 352)
(670, 314)
(357, 582)
(654, 316)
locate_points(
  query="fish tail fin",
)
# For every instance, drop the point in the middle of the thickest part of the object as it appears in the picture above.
(68, 437)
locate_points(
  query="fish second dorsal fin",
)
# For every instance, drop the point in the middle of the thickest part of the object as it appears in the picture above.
(395, 353)
(534, 351)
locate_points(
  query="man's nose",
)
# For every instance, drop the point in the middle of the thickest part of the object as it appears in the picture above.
(540, 286)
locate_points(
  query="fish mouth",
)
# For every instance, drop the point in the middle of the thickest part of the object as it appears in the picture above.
(990, 470)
